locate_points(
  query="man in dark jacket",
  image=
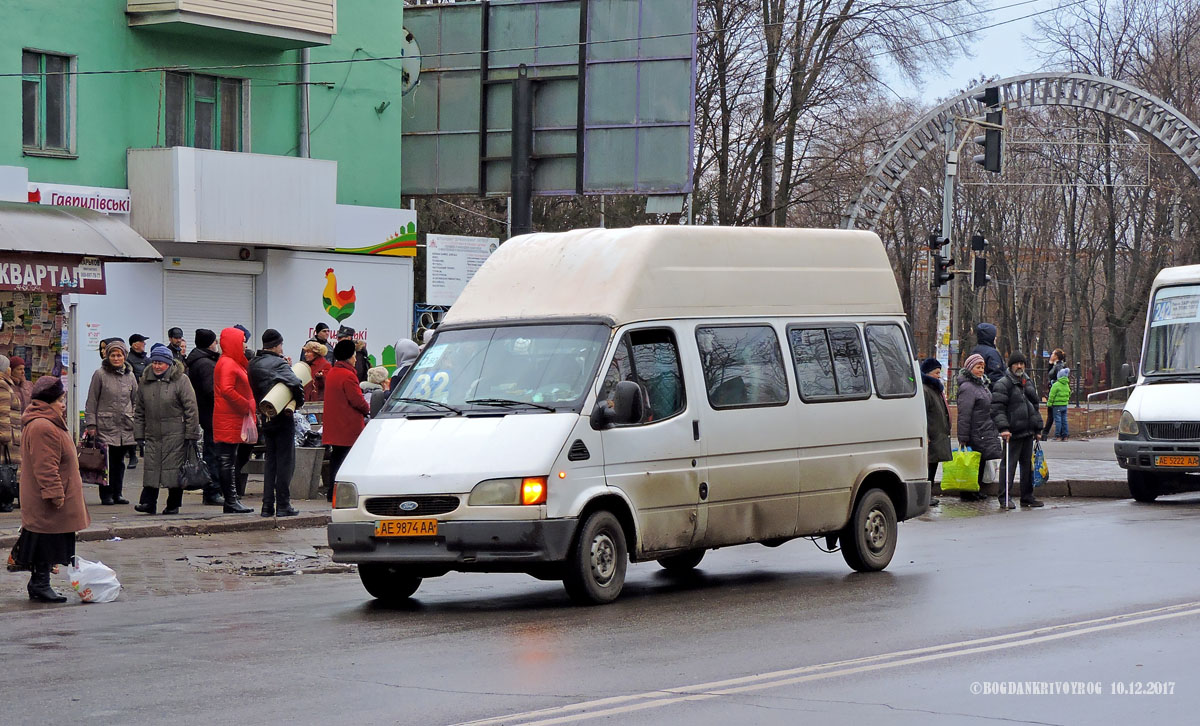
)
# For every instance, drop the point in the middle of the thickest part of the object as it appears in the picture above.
(200, 364)
(278, 433)
(138, 360)
(321, 335)
(937, 418)
(177, 345)
(1015, 406)
(985, 334)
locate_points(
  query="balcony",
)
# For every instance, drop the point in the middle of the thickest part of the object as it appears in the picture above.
(183, 194)
(279, 24)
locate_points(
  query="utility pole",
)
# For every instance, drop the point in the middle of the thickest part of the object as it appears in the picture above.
(946, 327)
(522, 152)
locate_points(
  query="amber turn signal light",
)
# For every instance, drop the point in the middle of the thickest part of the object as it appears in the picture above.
(533, 490)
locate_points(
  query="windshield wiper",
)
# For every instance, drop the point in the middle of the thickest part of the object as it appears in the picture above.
(431, 404)
(508, 402)
(1159, 378)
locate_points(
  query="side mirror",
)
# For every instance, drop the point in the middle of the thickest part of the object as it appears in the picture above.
(1128, 375)
(627, 407)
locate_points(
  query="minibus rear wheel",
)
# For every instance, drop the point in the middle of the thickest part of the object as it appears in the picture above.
(682, 562)
(388, 583)
(869, 540)
(595, 567)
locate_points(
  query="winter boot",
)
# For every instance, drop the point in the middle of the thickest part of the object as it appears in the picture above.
(148, 502)
(232, 505)
(242, 480)
(212, 495)
(174, 499)
(39, 586)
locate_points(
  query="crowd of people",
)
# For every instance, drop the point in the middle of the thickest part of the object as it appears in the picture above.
(998, 415)
(169, 405)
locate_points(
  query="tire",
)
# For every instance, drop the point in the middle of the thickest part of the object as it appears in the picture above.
(388, 583)
(596, 564)
(682, 562)
(1143, 486)
(869, 540)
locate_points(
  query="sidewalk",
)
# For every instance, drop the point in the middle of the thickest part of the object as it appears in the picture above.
(1084, 468)
(193, 518)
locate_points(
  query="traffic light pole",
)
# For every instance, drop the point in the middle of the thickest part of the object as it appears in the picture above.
(945, 321)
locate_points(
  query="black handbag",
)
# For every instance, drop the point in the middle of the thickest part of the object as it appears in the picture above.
(193, 474)
(10, 480)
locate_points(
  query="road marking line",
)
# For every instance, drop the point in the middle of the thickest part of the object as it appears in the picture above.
(656, 699)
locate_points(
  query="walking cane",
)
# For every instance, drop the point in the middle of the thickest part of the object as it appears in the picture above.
(1007, 476)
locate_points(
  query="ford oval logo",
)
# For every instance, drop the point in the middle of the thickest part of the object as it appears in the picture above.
(408, 506)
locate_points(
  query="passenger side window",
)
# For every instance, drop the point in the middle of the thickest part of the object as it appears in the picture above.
(829, 363)
(891, 363)
(650, 358)
(742, 366)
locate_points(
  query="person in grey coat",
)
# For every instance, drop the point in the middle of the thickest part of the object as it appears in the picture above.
(108, 415)
(937, 418)
(1018, 418)
(167, 419)
(975, 426)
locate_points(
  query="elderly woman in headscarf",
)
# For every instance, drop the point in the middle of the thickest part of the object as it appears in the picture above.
(975, 426)
(375, 388)
(52, 507)
(24, 387)
(313, 353)
(108, 415)
(167, 419)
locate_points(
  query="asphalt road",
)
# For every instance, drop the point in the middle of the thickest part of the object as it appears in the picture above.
(1074, 595)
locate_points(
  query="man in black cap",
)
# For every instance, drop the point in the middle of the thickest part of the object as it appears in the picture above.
(362, 361)
(278, 433)
(177, 345)
(200, 365)
(321, 335)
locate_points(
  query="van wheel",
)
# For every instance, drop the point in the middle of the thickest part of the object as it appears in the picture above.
(388, 583)
(1143, 486)
(595, 567)
(682, 562)
(869, 540)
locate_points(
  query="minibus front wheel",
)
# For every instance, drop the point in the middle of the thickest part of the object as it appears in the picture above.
(1143, 486)
(869, 540)
(388, 583)
(596, 563)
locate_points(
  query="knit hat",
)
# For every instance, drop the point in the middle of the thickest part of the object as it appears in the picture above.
(1016, 358)
(930, 364)
(1064, 373)
(161, 354)
(5, 364)
(271, 338)
(48, 389)
(315, 347)
(378, 374)
(320, 327)
(245, 332)
(205, 337)
(175, 333)
(343, 350)
(16, 361)
(972, 360)
(116, 344)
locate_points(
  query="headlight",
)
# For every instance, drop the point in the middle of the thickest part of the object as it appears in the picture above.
(345, 495)
(508, 492)
(1128, 425)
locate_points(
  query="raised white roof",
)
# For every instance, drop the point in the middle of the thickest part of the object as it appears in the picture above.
(1177, 275)
(665, 272)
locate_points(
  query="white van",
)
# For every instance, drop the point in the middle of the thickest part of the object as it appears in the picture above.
(1158, 438)
(600, 396)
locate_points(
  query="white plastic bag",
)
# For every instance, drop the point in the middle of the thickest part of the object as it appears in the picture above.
(991, 471)
(94, 581)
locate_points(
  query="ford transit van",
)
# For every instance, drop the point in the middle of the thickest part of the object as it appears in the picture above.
(1158, 438)
(604, 396)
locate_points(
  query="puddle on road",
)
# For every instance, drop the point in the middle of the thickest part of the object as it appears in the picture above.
(268, 563)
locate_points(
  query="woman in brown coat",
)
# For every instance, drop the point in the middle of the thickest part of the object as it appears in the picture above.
(109, 415)
(10, 426)
(52, 508)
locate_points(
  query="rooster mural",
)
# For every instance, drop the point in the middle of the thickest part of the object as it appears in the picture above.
(339, 304)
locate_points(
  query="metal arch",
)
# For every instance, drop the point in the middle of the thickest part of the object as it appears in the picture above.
(1132, 105)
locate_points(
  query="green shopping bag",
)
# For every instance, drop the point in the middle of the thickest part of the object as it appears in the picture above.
(962, 473)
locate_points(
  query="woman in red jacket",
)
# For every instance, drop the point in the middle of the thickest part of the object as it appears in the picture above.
(233, 403)
(345, 409)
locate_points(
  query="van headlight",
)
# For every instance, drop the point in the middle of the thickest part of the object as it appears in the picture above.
(345, 495)
(508, 492)
(1128, 425)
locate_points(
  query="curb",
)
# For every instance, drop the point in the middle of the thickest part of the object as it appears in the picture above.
(235, 523)
(1090, 488)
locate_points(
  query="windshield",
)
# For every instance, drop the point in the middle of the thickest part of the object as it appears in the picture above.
(526, 369)
(1173, 345)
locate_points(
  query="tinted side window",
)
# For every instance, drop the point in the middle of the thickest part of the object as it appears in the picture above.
(848, 362)
(742, 366)
(891, 363)
(650, 358)
(814, 364)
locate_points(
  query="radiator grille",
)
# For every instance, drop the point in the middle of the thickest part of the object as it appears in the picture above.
(427, 506)
(1174, 431)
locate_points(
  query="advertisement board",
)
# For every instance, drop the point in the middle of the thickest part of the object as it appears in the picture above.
(451, 262)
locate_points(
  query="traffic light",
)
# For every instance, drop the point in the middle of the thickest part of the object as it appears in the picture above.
(978, 243)
(992, 139)
(979, 276)
(937, 242)
(940, 272)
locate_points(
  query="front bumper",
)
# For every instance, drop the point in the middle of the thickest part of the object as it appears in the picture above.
(1139, 455)
(916, 501)
(468, 546)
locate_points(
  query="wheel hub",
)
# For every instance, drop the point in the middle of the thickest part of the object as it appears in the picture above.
(604, 558)
(876, 530)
